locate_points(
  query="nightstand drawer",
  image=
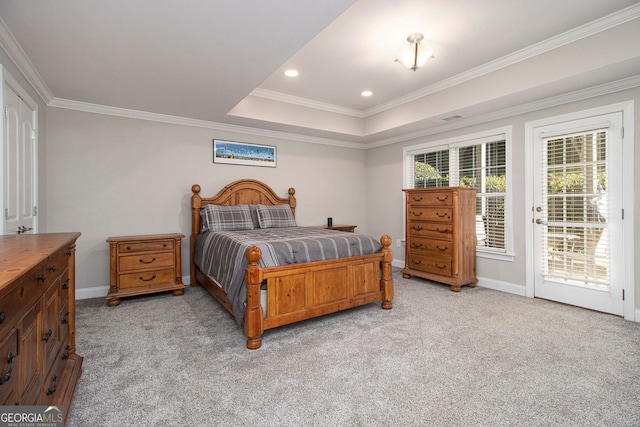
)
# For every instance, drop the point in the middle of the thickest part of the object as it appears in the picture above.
(154, 245)
(141, 279)
(145, 261)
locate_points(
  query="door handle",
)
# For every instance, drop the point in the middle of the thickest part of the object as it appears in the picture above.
(539, 221)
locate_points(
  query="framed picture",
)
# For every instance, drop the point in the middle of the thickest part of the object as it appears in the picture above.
(241, 153)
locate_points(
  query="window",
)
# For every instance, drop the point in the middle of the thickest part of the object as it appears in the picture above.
(479, 161)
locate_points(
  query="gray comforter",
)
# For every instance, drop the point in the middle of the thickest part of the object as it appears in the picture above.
(221, 255)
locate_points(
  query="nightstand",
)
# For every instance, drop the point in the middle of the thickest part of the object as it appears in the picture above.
(143, 265)
(347, 228)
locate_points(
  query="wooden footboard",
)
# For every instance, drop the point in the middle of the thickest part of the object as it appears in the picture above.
(302, 291)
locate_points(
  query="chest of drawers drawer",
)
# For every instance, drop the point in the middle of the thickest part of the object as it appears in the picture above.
(145, 261)
(444, 215)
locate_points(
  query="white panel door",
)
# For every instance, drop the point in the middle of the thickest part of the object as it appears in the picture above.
(577, 188)
(20, 165)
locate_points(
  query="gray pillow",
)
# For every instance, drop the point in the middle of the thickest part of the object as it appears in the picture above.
(227, 218)
(277, 216)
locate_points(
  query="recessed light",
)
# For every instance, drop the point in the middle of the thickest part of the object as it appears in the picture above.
(291, 73)
(366, 93)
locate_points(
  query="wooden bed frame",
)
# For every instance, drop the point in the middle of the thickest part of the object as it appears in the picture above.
(298, 291)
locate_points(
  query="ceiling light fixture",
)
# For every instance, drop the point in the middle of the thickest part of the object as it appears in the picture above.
(414, 56)
(291, 73)
(366, 93)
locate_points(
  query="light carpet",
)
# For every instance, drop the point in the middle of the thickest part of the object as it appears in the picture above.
(438, 358)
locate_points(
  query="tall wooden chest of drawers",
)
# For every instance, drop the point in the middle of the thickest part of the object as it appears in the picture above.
(143, 265)
(441, 235)
(38, 360)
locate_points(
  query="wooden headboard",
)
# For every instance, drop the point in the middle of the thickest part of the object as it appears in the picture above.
(243, 191)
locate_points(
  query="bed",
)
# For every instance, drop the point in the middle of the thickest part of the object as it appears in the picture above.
(276, 295)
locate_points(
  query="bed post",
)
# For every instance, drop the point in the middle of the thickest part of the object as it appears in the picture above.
(196, 205)
(386, 280)
(253, 327)
(292, 200)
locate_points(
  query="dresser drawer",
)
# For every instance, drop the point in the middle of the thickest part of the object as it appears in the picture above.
(424, 245)
(430, 214)
(9, 368)
(429, 264)
(28, 289)
(147, 278)
(431, 199)
(153, 245)
(57, 263)
(430, 229)
(145, 261)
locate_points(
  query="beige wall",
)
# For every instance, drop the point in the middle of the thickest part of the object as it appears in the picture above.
(111, 176)
(385, 180)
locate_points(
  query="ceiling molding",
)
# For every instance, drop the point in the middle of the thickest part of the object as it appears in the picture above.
(579, 95)
(305, 102)
(604, 89)
(184, 121)
(10, 45)
(618, 18)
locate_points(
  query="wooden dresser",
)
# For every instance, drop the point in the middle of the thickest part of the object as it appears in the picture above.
(145, 264)
(38, 360)
(441, 235)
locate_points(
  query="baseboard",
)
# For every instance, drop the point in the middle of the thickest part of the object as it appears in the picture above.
(397, 263)
(497, 285)
(87, 293)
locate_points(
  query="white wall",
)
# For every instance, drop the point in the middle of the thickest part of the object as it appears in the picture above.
(111, 176)
(385, 197)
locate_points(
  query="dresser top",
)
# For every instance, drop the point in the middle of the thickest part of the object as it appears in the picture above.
(19, 253)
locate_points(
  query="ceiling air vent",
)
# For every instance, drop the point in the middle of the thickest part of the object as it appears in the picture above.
(450, 118)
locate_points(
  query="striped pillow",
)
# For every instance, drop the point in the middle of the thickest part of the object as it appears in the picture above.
(227, 218)
(277, 216)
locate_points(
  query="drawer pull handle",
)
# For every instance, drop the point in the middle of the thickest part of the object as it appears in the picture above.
(416, 213)
(6, 377)
(442, 249)
(65, 284)
(128, 248)
(164, 245)
(65, 319)
(416, 262)
(441, 266)
(417, 199)
(416, 245)
(148, 280)
(442, 199)
(417, 227)
(42, 278)
(52, 390)
(444, 215)
(2, 317)
(47, 336)
(446, 230)
(147, 262)
(52, 269)
(68, 253)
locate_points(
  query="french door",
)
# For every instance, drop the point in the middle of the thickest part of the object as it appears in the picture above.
(577, 213)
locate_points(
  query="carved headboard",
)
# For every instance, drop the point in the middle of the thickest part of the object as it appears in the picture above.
(244, 191)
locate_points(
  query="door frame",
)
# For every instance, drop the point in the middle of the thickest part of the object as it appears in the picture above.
(7, 79)
(627, 109)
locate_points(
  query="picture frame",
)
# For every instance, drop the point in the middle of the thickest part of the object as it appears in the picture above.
(242, 153)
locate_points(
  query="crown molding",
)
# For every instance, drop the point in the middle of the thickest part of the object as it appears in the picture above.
(184, 121)
(617, 18)
(10, 45)
(305, 102)
(579, 95)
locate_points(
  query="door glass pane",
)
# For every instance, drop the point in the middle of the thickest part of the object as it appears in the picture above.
(577, 237)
